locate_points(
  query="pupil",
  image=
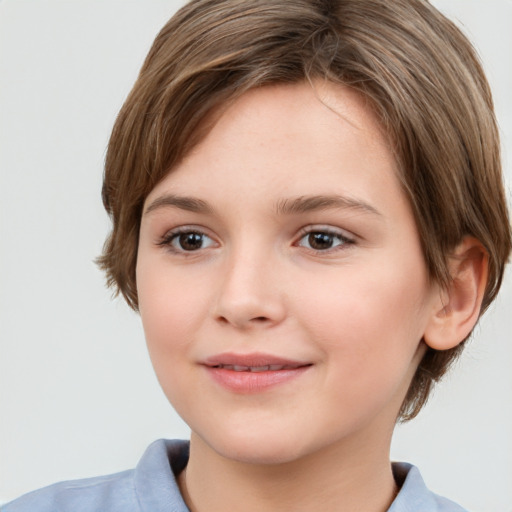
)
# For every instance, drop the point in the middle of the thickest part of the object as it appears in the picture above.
(320, 240)
(191, 241)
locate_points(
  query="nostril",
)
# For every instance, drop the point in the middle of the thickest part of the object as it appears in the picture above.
(243, 322)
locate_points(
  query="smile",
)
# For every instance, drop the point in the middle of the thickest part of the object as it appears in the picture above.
(253, 373)
(265, 368)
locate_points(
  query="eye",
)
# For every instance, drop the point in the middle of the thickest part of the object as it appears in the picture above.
(323, 240)
(187, 241)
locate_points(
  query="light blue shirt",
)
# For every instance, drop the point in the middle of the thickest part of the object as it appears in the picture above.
(152, 487)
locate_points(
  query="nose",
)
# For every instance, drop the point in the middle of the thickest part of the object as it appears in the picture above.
(250, 294)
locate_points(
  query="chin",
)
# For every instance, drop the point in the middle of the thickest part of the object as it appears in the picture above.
(261, 448)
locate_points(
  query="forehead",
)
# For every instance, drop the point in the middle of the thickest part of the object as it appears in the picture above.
(292, 109)
(304, 137)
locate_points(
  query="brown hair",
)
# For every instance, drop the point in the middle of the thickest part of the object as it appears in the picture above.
(418, 70)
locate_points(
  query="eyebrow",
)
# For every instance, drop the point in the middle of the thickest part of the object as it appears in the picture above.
(288, 206)
(190, 204)
(304, 204)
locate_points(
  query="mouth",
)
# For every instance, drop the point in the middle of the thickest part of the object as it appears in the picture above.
(256, 369)
(252, 373)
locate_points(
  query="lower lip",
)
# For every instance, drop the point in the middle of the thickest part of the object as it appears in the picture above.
(254, 382)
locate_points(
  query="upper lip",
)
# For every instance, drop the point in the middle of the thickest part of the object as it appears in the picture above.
(254, 360)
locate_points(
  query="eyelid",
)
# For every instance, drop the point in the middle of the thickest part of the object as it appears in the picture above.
(346, 238)
(171, 234)
(327, 228)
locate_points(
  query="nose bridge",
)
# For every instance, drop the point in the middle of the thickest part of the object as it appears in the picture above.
(249, 293)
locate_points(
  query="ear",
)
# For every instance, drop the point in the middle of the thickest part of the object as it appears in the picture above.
(458, 308)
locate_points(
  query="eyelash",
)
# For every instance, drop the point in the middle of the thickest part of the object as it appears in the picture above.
(344, 241)
(168, 239)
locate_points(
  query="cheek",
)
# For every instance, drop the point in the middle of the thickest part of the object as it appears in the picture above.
(169, 307)
(369, 335)
(369, 320)
(169, 314)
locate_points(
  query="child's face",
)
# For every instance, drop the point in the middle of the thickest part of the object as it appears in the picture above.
(284, 238)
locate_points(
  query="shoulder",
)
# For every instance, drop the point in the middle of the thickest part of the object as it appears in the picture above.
(414, 494)
(150, 487)
(90, 494)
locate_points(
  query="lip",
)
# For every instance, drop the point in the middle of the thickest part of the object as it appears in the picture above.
(253, 373)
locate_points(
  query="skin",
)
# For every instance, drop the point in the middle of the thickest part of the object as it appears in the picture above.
(354, 309)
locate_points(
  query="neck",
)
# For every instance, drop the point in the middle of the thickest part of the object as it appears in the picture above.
(335, 479)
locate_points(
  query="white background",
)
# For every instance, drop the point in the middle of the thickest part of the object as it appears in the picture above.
(77, 393)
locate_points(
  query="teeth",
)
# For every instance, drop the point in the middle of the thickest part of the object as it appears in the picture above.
(255, 369)
(260, 368)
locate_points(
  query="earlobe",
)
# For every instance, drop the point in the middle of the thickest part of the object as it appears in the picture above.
(459, 305)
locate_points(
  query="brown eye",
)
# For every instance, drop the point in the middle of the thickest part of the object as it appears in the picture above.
(190, 241)
(187, 241)
(320, 241)
(323, 240)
